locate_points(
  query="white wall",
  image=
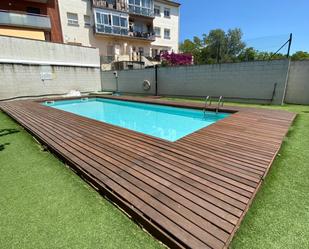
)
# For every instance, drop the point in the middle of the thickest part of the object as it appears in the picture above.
(171, 23)
(19, 50)
(34, 68)
(25, 80)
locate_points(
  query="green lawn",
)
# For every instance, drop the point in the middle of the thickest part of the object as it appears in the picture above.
(43, 204)
(279, 215)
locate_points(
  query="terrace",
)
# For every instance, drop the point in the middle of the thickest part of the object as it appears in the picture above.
(119, 24)
(190, 193)
(24, 20)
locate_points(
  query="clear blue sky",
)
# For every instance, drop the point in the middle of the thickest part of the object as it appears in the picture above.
(265, 23)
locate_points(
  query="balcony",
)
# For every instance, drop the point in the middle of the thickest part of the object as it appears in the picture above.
(25, 20)
(141, 8)
(143, 35)
(123, 32)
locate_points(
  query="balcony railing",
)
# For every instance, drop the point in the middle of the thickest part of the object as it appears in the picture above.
(119, 5)
(16, 19)
(143, 35)
(107, 29)
(119, 31)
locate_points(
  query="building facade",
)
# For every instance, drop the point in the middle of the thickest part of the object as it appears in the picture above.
(166, 26)
(123, 30)
(34, 19)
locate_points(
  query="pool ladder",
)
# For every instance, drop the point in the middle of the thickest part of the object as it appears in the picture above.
(208, 102)
(49, 102)
(207, 99)
(220, 103)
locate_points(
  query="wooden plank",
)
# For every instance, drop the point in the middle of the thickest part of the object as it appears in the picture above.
(190, 193)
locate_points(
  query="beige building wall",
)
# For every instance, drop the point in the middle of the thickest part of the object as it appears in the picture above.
(83, 34)
(79, 33)
(171, 23)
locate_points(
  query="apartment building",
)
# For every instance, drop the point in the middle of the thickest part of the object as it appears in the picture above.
(166, 26)
(123, 30)
(34, 19)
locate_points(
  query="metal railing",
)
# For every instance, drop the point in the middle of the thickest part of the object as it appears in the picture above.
(207, 99)
(122, 31)
(20, 19)
(143, 35)
(107, 29)
(119, 5)
(220, 103)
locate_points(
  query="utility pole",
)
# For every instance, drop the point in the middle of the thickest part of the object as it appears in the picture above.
(290, 43)
(218, 52)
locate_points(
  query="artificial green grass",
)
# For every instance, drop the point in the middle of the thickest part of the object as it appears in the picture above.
(279, 215)
(43, 204)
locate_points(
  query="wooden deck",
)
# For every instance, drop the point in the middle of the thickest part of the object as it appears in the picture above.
(192, 193)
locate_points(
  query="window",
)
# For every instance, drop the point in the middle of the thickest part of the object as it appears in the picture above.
(167, 34)
(33, 10)
(157, 31)
(167, 12)
(123, 22)
(72, 18)
(157, 10)
(112, 23)
(87, 21)
(116, 20)
(141, 7)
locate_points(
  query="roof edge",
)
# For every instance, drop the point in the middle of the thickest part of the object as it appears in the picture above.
(169, 2)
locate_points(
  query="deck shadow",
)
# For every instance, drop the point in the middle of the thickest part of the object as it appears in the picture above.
(2, 146)
(5, 132)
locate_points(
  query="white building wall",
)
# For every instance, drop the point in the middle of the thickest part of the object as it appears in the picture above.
(171, 23)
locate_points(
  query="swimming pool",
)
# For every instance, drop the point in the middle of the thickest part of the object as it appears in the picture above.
(165, 122)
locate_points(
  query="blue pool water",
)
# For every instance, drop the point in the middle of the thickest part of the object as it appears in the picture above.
(165, 122)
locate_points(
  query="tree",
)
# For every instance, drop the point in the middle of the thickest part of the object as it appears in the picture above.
(192, 47)
(189, 46)
(248, 54)
(216, 46)
(219, 46)
(300, 55)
